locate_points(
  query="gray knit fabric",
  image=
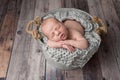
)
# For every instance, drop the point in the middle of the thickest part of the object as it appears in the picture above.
(62, 58)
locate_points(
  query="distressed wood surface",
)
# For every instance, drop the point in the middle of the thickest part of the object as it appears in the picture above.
(3, 55)
(3, 10)
(27, 60)
(9, 14)
(109, 51)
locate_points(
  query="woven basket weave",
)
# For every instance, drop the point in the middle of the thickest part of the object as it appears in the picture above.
(62, 58)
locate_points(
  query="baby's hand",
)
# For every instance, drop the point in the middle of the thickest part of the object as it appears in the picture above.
(68, 47)
(60, 44)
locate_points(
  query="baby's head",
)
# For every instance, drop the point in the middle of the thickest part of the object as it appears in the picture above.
(54, 29)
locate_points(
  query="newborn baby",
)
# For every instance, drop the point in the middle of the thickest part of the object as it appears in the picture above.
(68, 34)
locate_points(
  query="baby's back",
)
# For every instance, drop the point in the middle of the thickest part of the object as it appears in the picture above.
(74, 25)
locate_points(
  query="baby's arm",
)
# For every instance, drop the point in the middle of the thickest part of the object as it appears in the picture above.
(59, 44)
(54, 44)
(81, 44)
(79, 41)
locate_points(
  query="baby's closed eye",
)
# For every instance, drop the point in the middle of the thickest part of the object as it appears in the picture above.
(57, 27)
(52, 34)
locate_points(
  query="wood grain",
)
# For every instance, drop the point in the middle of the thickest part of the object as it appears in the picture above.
(110, 47)
(7, 31)
(3, 10)
(24, 63)
(117, 7)
(27, 60)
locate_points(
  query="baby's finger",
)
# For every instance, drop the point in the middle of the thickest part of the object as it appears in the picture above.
(68, 49)
(71, 48)
(64, 46)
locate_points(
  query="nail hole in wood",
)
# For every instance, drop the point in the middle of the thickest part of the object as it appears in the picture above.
(19, 32)
(9, 49)
(38, 50)
(18, 12)
(107, 23)
(103, 78)
(11, 39)
(1, 39)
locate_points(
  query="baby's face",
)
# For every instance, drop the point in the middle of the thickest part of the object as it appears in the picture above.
(54, 30)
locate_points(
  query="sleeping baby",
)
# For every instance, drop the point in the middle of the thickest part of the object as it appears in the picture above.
(68, 34)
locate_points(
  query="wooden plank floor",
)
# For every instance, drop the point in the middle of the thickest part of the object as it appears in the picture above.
(27, 61)
(9, 14)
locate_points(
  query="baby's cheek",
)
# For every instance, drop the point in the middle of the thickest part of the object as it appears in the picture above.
(57, 39)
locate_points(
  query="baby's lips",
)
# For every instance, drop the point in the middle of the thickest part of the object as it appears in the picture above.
(62, 36)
